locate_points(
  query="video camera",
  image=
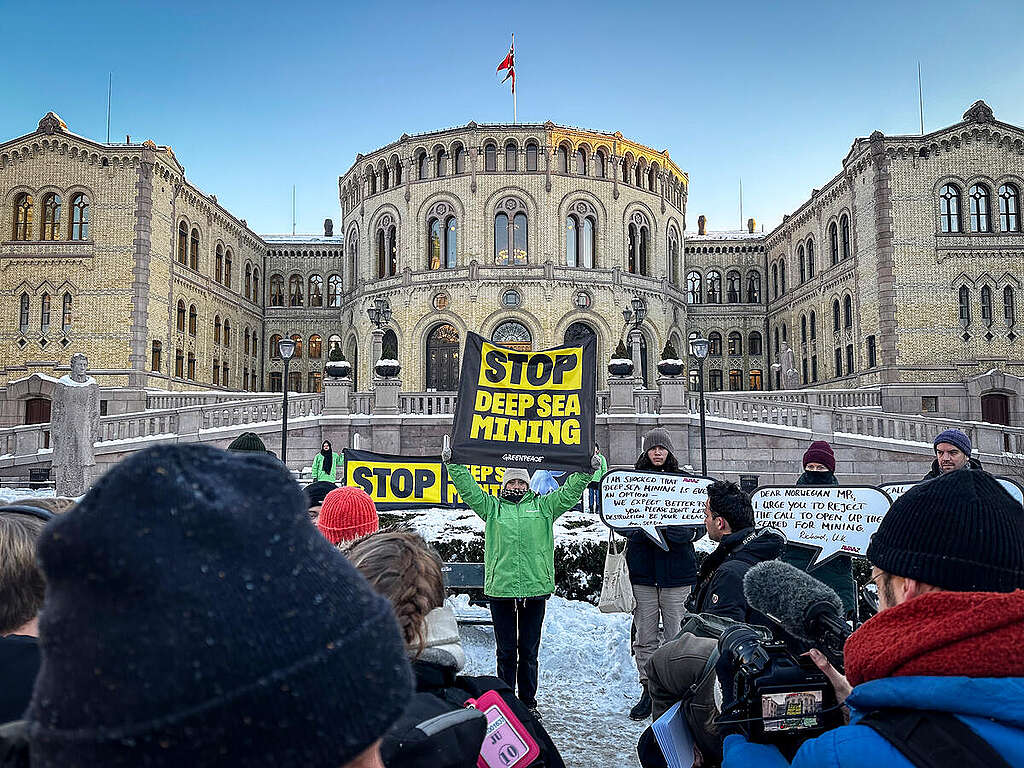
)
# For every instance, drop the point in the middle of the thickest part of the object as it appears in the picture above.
(778, 695)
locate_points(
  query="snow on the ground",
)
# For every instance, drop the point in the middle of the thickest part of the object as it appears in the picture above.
(7, 495)
(588, 681)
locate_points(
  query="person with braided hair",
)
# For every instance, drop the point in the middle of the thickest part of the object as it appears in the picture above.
(402, 567)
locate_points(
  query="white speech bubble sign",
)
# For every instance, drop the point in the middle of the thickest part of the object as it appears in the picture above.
(835, 520)
(649, 500)
(895, 490)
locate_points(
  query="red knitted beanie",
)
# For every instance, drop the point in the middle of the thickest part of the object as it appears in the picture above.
(346, 514)
(821, 452)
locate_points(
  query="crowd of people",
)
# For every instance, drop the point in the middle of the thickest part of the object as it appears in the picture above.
(199, 605)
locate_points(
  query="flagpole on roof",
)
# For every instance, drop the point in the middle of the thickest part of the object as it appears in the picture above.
(514, 115)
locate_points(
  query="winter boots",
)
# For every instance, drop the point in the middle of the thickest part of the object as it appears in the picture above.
(642, 709)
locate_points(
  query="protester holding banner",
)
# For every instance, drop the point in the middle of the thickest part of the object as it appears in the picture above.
(436, 730)
(327, 465)
(819, 464)
(519, 562)
(661, 579)
(952, 452)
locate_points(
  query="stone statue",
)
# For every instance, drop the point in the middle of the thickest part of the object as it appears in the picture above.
(790, 377)
(74, 428)
(328, 228)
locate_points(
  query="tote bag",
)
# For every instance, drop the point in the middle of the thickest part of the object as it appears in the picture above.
(616, 591)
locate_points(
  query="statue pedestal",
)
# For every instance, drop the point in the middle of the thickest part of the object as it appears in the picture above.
(337, 394)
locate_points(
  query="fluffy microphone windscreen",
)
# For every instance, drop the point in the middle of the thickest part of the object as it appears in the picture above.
(785, 593)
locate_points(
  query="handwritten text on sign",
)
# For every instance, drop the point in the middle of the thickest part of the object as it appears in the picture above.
(835, 520)
(647, 500)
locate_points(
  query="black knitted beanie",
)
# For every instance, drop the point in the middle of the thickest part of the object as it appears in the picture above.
(961, 531)
(195, 618)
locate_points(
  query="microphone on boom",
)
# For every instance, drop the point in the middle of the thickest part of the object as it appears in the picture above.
(800, 604)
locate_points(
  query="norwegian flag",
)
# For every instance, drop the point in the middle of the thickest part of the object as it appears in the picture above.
(509, 63)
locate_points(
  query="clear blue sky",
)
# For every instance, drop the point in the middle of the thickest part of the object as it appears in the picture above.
(255, 97)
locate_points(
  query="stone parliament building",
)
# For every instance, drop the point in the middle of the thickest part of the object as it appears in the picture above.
(901, 273)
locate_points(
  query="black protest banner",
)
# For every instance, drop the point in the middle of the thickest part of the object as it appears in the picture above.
(410, 482)
(526, 409)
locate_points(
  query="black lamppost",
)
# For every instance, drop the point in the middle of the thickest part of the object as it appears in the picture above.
(699, 349)
(286, 348)
(380, 312)
(634, 316)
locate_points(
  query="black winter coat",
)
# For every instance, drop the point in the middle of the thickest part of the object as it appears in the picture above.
(650, 565)
(720, 588)
(413, 741)
(971, 464)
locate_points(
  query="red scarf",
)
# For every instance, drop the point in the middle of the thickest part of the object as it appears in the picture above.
(943, 634)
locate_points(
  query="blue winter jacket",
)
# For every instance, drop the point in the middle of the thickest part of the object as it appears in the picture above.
(992, 707)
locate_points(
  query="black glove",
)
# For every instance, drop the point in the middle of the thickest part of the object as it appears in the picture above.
(731, 709)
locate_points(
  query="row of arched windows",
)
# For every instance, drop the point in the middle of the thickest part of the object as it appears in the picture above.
(315, 294)
(51, 226)
(839, 250)
(979, 205)
(314, 349)
(986, 305)
(45, 313)
(696, 293)
(734, 343)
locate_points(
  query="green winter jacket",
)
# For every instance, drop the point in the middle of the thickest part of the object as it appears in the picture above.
(519, 540)
(337, 469)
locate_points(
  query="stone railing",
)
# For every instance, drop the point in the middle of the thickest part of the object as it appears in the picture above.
(756, 410)
(989, 438)
(427, 402)
(156, 401)
(826, 398)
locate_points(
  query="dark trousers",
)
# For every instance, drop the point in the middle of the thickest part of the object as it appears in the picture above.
(517, 625)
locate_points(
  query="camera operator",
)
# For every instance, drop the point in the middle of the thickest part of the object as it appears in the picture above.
(937, 677)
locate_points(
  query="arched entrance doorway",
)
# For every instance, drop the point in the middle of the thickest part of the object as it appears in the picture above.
(514, 335)
(995, 408)
(577, 333)
(443, 359)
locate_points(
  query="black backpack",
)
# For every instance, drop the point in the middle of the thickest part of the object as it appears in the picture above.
(930, 739)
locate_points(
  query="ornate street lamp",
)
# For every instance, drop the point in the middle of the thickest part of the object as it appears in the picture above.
(699, 349)
(380, 312)
(286, 348)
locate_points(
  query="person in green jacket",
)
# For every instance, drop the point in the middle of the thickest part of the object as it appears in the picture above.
(327, 465)
(519, 562)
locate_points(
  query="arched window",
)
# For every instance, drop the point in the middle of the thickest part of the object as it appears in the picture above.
(514, 334)
(316, 291)
(193, 250)
(949, 208)
(44, 312)
(179, 363)
(600, 161)
(315, 347)
(23, 313)
(256, 286)
(353, 257)
(65, 314)
(227, 267)
(782, 277)
(978, 195)
(371, 180)
(531, 156)
(218, 264)
(460, 159)
(216, 329)
(775, 281)
(732, 287)
(398, 171)
(833, 242)
(193, 320)
(625, 168)
(847, 312)
(844, 226)
(298, 346)
(802, 259)
(423, 165)
(511, 229)
(255, 346)
(814, 326)
(1009, 307)
(443, 362)
(715, 344)
(638, 174)
(810, 259)
(180, 325)
(581, 162)
(154, 357)
(80, 217)
(753, 287)
(387, 247)
(754, 343)
(245, 337)
(652, 179)
(275, 349)
(965, 304)
(295, 291)
(986, 304)
(639, 239)
(333, 343)
(673, 257)
(183, 243)
(276, 291)
(192, 366)
(511, 156)
(216, 372)
(334, 291)
(563, 159)
(490, 157)
(735, 343)
(694, 292)
(440, 162)
(248, 280)
(1009, 208)
(51, 217)
(572, 237)
(23, 217)
(714, 287)
(836, 319)
(803, 329)
(385, 177)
